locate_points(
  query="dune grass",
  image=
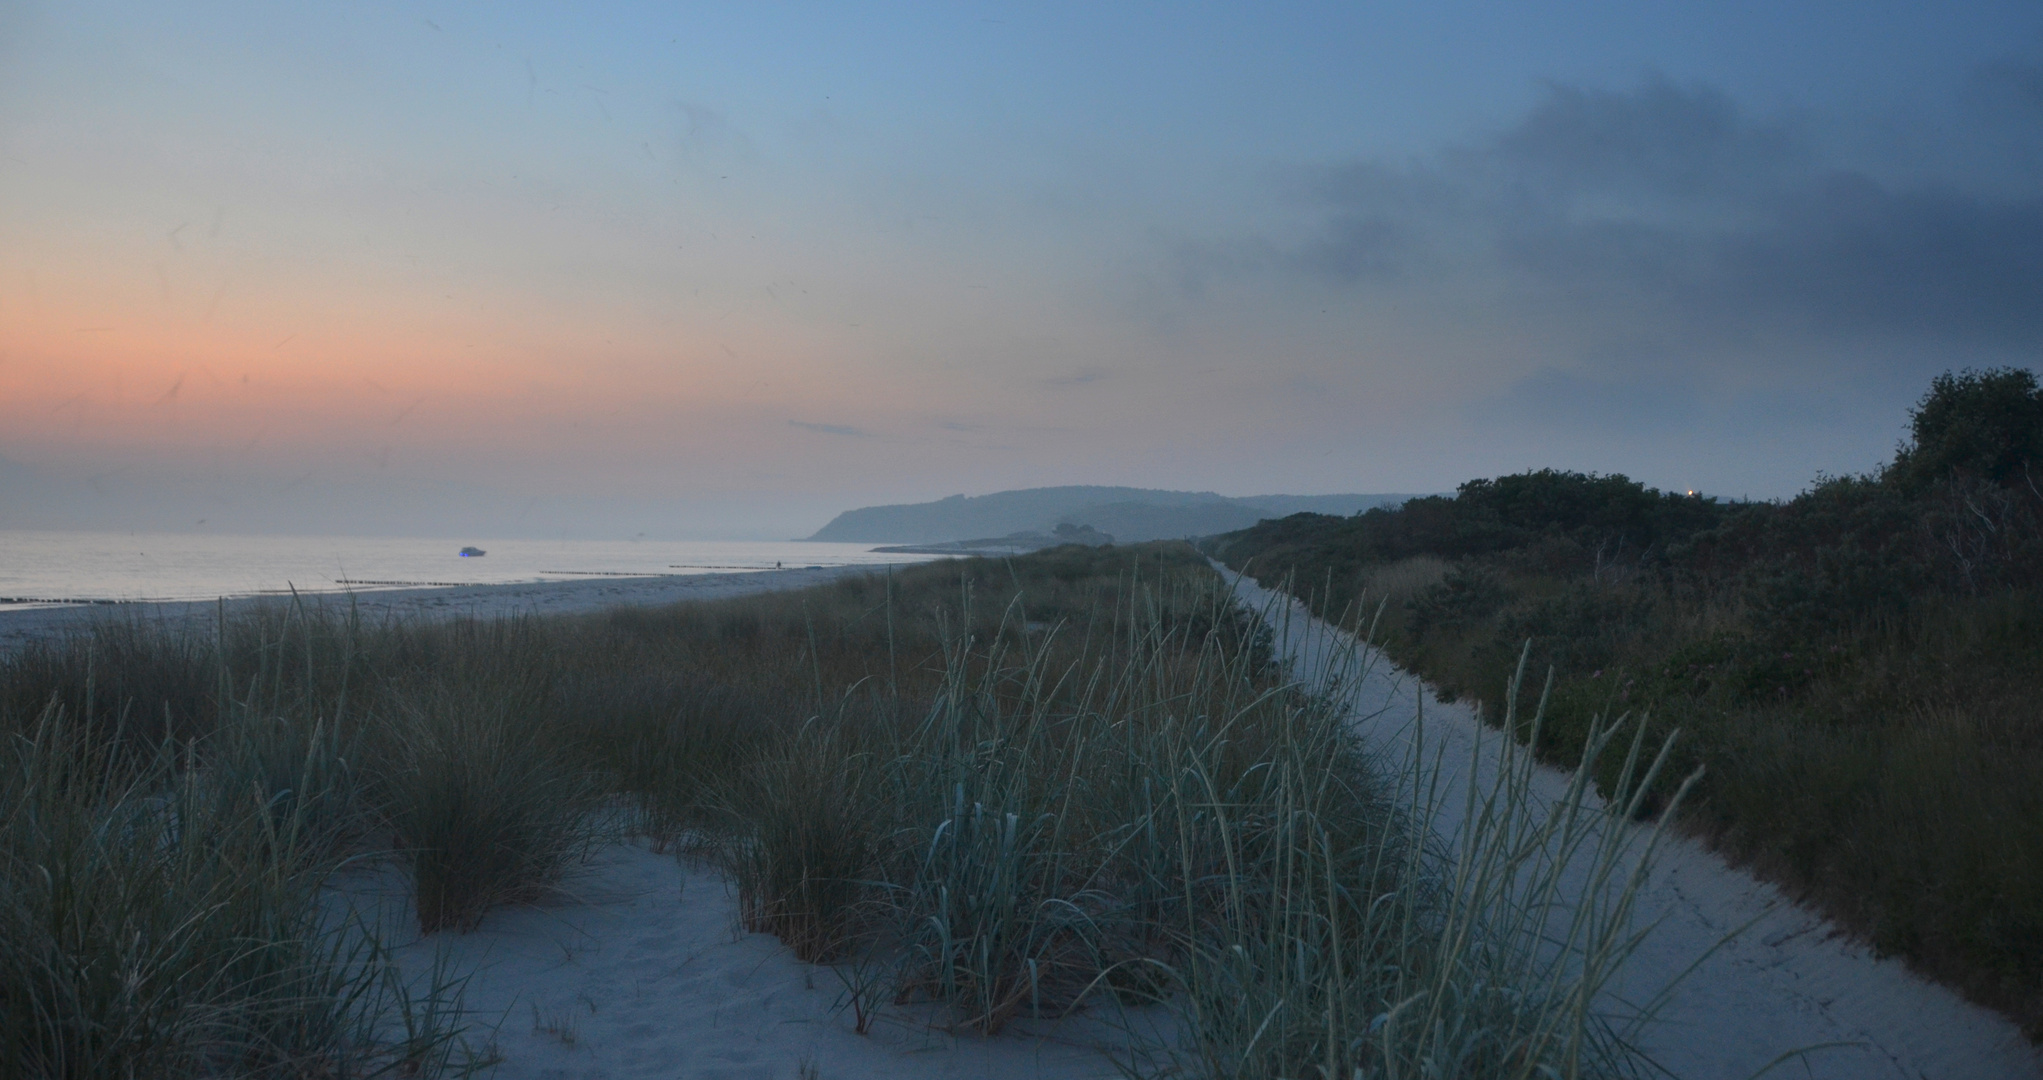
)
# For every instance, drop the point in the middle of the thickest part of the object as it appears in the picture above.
(170, 816)
(160, 920)
(990, 790)
(1093, 789)
(1855, 666)
(1868, 728)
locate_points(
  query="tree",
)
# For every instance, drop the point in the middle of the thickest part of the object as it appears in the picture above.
(1985, 424)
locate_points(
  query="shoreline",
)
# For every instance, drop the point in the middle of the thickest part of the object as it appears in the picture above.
(21, 625)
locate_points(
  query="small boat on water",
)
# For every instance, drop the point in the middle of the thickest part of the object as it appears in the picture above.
(472, 552)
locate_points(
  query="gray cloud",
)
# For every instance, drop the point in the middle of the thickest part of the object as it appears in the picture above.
(2010, 85)
(1842, 254)
(1669, 206)
(1630, 406)
(1358, 247)
(1657, 141)
(831, 429)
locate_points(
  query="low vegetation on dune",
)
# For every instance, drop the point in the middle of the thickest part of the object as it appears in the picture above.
(163, 859)
(1855, 666)
(988, 790)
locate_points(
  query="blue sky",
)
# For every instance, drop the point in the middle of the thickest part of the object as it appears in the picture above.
(725, 270)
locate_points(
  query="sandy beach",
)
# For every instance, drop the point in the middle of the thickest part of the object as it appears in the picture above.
(639, 967)
(581, 596)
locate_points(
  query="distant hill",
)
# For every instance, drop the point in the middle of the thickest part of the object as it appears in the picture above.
(1127, 514)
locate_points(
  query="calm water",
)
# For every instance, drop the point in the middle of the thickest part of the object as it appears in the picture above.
(52, 566)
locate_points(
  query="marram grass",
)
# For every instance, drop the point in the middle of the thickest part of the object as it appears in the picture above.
(161, 920)
(988, 790)
(1152, 813)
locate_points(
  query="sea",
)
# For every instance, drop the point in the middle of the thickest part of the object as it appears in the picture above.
(41, 568)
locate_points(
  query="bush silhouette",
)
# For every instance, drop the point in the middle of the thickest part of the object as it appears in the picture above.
(1985, 424)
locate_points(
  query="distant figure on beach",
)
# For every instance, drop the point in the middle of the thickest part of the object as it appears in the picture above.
(776, 564)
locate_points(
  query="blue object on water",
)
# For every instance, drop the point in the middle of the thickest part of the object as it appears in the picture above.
(471, 552)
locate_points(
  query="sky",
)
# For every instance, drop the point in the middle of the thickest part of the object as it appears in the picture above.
(722, 271)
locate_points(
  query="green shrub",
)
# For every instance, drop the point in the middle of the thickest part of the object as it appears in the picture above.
(1986, 424)
(1850, 663)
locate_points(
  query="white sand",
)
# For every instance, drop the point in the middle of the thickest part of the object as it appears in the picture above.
(22, 624)
(1789, 981)
(645, 973)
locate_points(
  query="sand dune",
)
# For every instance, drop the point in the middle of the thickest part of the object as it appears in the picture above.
(1774, 978)
(639, 968)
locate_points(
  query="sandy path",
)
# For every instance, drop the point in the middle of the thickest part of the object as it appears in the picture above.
(21, 624)
(644, 972)
(1789, 981)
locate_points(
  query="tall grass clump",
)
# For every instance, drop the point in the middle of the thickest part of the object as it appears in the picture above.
(174, 802)
(485, 804)
(1389, 952)
(137, 687)
(810, 831)
(162, 921)
(665, 739)
(1133, 803)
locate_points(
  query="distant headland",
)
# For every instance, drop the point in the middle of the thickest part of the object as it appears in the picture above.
(1124, 514)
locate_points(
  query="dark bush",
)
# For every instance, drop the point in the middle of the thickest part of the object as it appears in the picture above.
(1987, 424)
(1853, 666)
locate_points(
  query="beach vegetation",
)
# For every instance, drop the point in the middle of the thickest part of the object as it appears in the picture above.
(1852, 666)
(987, 792)
(162, 920)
